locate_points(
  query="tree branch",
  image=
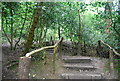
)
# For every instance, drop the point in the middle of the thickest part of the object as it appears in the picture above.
(4, 30)
(110, 48)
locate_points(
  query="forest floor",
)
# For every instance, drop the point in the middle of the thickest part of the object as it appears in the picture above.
(8, 57)
(38, 70)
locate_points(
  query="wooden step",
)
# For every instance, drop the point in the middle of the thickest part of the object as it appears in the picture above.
(76, 59)
(81, 76)
(83, 71)
(50, 51)
(80, 67)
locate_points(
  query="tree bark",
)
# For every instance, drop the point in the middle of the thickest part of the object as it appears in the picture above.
(111, 63)
(59, 33)
(99, 49)
(24, 66)
(11, 43)
(4, 30)
(109, 22)
(31, 32)
(79, 46)
(54, 58)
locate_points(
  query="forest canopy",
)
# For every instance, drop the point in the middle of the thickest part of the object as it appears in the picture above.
(75, 21)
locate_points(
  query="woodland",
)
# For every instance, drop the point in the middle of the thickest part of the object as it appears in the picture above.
(48, 31)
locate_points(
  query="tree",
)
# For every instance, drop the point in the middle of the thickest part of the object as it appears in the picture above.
(8, 14)
(30, 37)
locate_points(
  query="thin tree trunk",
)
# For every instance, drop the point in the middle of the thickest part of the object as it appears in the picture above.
(80, 29)
(42, 25)
(59, 32)
(79, 34)
(111, 63)
(4, 30)
(45, 32)
(21, 28)
(31, 32)
(11, 44)
(108, 20)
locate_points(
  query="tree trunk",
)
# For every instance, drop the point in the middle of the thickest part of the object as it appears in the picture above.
(21, 31)
(99, 49)
(51, 40)
(79, 35)
(119, 42)
(108, 19)
(59, 33)
(111, 63)
(11, 43)
(24, 66)
(54, 58)
(84, 49)
(31, 32)
(4, 30)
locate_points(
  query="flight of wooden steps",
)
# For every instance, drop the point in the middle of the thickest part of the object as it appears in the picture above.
(79, 67)
(50, 51)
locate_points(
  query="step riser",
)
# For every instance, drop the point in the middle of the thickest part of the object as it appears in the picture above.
(77, 60)
(76, 68)
(50, 51)
(81, 77)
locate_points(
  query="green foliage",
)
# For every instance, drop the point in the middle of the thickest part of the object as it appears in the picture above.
(65, 16)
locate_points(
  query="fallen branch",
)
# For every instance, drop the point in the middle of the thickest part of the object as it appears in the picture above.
(12, 64)
(43, 48)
